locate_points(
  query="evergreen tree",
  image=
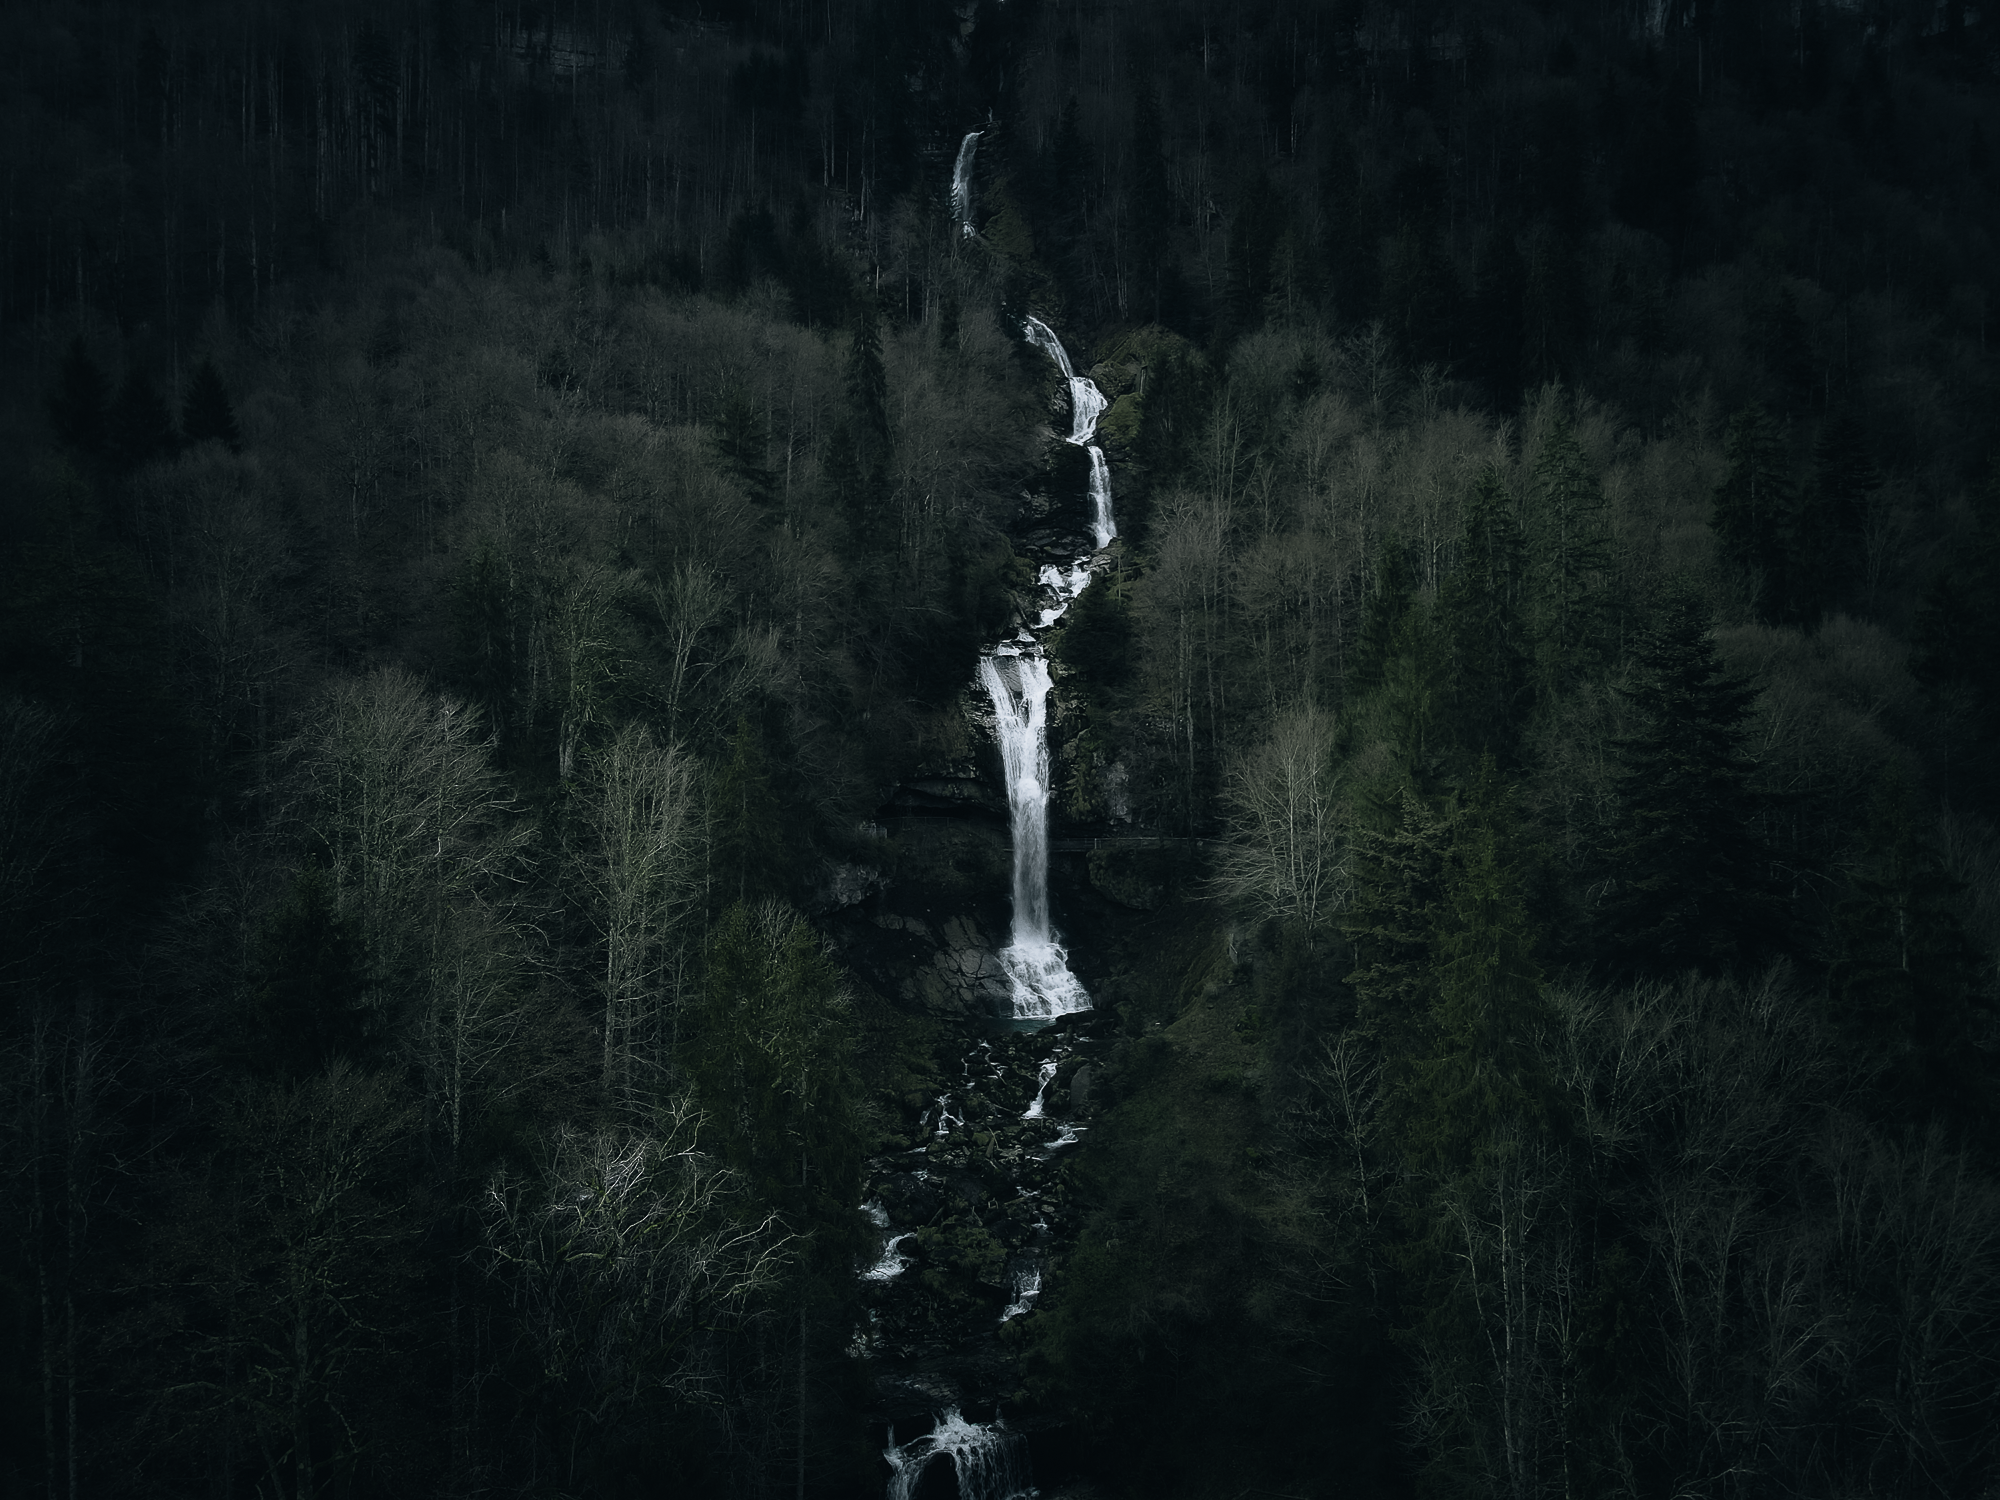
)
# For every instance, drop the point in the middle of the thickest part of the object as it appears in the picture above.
(1475, 1070)
(1906, 981)
(141, 428)
(1566, 537)
(206, 414)
(868, 386)
(1481, 605)
(1824, 570)
(1381, 619)
(740, 440)
(77, 405)
(850, 488)
(748, 837)
(1753, 505)
(1956, 654)
(1253, 238)
(310, 990)
(1399, 888)
(1686, 878)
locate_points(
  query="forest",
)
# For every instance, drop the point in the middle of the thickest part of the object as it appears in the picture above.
(503, 842)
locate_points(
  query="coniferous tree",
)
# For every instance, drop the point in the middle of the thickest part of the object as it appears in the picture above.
(77, 405)
(1956, 654)
(1825, 567)
(1906, 981)
(1381, 619)
(740, 439)
(1686, 878)
(1482, 606)
(1753, 505)
(868, 387)
(1567, 543)
(206, 414)
(141, 428)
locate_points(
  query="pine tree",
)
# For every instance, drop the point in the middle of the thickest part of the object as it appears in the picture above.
(1956, 654)
(1904, 978)
(747, 843)
(1824, 570)
(740, 441)
(1481, 605)
(1381, 618)
(850, 489)
(206, 414)
(1686, 875)
(1754, 504)
(77, 405)
(141, 428)
(868, 386)
(1566, 538)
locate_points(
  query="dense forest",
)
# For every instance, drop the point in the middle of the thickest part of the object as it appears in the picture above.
(507, 503)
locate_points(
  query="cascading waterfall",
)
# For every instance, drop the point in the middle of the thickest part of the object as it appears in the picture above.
(961, 181)
(1015, 674)
(990, 1463)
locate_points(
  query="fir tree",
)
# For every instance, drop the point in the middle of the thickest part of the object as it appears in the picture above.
(206, 414)
(1956, 655)
(1568, 546)
(740, 440)
(1481, 605)
(141, 428)
(1381, 619)
(868, 386)
(1905, 979)
(1686, 879)
(1753, 505)
(1824, 570)
(77, 405)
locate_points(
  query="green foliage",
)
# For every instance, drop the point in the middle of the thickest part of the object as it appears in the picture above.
(770, 1049)
(1566, 541)
(1483, 616)
(749, 847)
(1688, 878)
(1753, 505)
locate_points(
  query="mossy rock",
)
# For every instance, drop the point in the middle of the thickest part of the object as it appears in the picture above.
(1134, 878)
(1120, 422)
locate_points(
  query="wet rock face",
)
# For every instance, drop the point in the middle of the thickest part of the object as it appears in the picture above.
(971, 1215)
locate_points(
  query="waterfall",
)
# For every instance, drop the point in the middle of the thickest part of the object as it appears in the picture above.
(961, 181)
(1015, 674)
(991, 1463)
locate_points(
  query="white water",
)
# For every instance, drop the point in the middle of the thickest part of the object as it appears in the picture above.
(1047, 1075)
(1015, 674)
(892, 1262)
(991, 1463)
(961, 181)
(1027, 1287)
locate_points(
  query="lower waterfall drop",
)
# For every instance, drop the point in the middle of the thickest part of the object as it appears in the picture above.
(990, 1463)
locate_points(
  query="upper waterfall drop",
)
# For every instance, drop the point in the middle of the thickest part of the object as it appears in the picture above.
(961, 181)
(1016, 676)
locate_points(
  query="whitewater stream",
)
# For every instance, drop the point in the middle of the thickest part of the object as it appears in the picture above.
(1000, 1122)
(1015, 674)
